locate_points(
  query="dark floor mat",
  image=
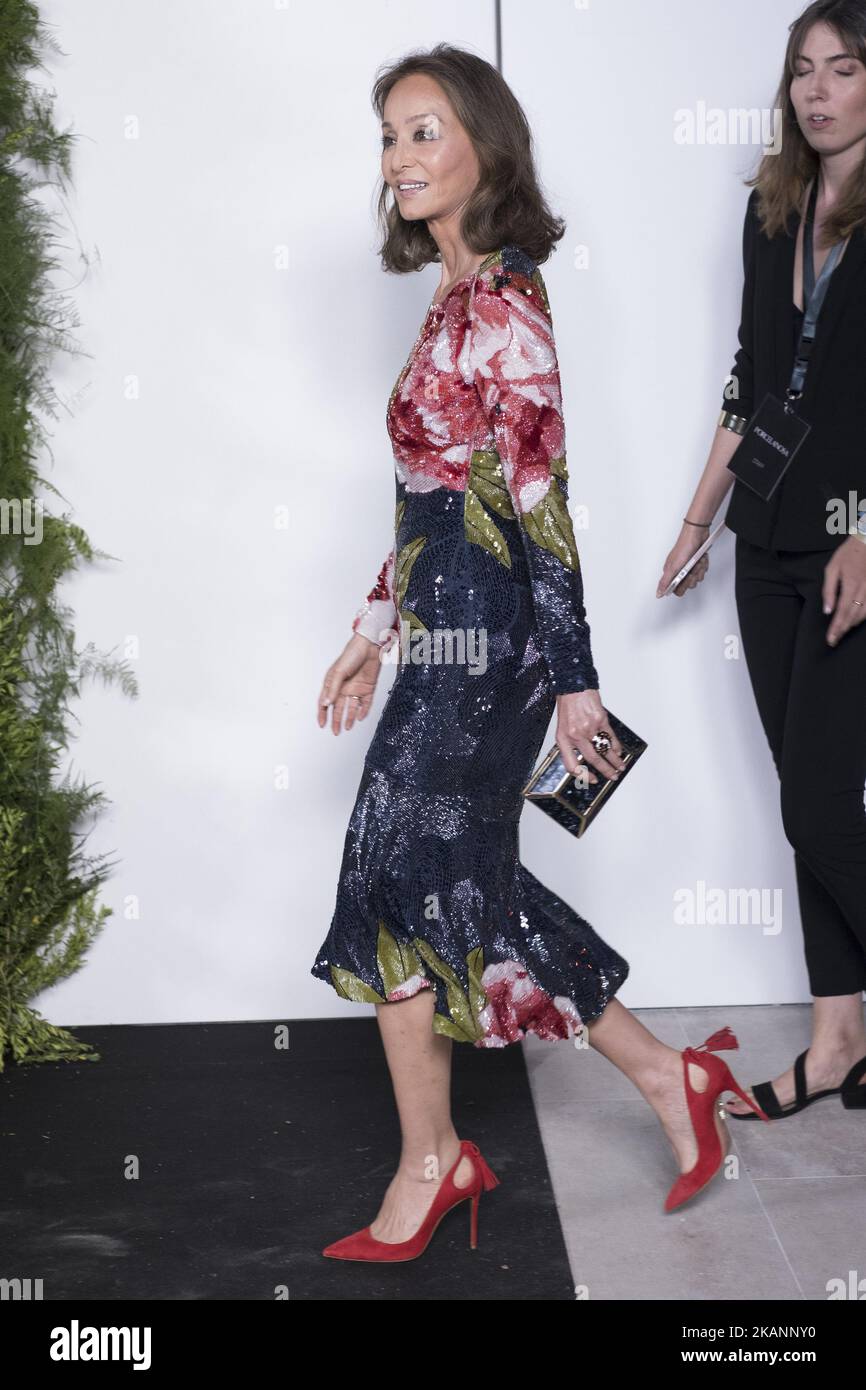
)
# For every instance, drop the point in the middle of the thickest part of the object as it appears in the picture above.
(201, 1161)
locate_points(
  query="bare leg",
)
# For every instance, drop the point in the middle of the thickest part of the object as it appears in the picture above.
(838, 1041)
(419, 1061)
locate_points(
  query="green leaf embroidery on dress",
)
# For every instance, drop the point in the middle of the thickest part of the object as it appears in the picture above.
(402, 570)
(475, 967)
(549, 524)
(486, 483)
(398, 961)
(481, 529)
(348, 986)
(398, 514)
(463, 1009)
(444, 1025)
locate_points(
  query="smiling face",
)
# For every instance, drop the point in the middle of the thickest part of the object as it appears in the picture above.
(427, 156)
(828, 92)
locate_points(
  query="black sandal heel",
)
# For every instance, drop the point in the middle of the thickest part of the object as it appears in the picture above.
(853, 1093)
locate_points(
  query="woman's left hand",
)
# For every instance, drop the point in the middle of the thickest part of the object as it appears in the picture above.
(579, 716)
(845, 581)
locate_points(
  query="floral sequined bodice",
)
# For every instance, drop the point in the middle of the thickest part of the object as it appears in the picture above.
(477, 410)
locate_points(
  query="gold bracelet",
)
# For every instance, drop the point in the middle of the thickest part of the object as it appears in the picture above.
(738, 424)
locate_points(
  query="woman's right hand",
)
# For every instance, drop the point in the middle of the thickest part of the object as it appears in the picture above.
(350, 683)
(690, 539)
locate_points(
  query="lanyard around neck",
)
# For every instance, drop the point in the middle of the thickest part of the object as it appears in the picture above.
(814, 294)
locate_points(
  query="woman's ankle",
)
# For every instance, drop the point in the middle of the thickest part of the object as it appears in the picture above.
(430, 1161)
(653, 1080)
(839, 1049)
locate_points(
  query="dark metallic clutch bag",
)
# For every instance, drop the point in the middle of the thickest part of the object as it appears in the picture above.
(565, 797)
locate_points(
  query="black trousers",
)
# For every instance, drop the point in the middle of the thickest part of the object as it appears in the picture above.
(812, 703)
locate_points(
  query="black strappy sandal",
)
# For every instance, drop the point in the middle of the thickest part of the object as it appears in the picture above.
(853, 1095)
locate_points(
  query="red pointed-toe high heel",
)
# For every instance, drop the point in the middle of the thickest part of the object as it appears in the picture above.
(705, 1116)
(363, 1246)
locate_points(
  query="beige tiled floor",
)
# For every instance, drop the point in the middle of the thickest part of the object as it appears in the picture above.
(790, 1219)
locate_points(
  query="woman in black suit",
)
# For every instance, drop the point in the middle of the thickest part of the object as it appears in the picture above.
(800, 558)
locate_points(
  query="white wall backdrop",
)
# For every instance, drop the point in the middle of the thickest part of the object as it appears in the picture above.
(243, 342)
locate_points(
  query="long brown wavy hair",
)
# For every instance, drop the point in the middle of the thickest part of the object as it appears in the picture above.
(507, 206)
(782, 178)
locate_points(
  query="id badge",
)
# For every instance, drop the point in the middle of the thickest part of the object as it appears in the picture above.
(768, 447)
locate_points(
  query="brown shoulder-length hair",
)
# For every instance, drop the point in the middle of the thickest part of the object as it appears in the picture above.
(782, 178)
(507, 206)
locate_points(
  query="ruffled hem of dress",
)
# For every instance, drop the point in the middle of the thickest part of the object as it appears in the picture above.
(501, 1004)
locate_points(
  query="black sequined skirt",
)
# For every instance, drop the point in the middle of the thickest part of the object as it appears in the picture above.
(432, 893)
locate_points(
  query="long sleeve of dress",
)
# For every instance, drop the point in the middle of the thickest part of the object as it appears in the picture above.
(513, 364)
(739, 393)
(377, 616)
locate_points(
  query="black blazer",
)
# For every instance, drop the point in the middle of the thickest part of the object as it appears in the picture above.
(832, 461)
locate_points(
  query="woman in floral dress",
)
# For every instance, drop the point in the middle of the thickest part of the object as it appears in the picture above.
(480, 603)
